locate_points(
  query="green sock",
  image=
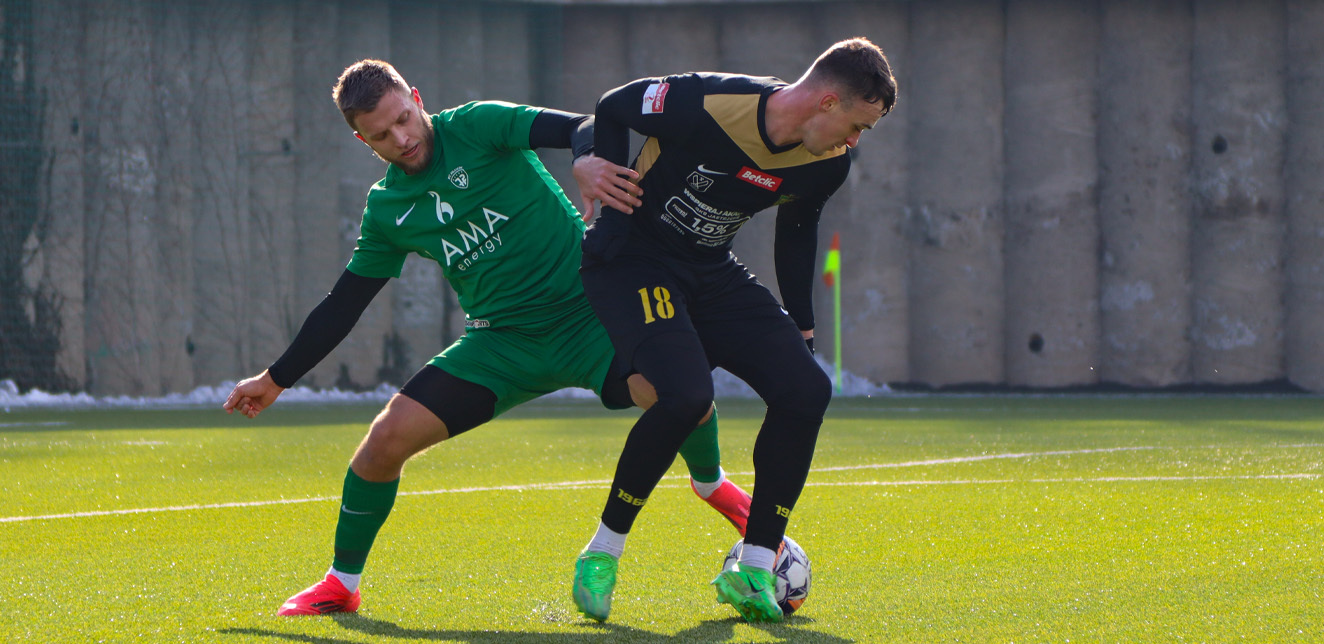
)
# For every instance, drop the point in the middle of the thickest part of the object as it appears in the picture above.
(702, 455)
(363, 509)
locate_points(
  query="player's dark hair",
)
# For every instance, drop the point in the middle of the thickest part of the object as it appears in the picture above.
(860, 68)
(362, 85)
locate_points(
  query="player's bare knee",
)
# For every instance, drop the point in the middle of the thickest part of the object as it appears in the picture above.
(381, 453)
(393, 439)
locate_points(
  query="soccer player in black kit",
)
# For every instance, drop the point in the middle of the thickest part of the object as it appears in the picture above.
(676, 303)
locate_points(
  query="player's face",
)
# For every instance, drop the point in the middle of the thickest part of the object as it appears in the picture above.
(840, 123)
(399, 131)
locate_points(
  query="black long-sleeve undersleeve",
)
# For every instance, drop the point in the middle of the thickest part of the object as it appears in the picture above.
(557, 129)
(327, 324)
(795, 251)
(612, 140)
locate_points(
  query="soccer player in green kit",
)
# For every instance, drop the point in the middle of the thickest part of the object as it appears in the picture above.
(464, 188)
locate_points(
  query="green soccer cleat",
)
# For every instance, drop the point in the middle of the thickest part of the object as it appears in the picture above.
(751, 591)
(595, 578)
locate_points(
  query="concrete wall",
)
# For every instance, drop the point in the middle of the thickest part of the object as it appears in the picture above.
(1144, 201)
(1239, 118)
(1051, 193)
(1304, 200)
(956, 139)
(64, 261)
(1069, 192)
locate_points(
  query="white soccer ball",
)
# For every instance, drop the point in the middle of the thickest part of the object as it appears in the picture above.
(791, 569)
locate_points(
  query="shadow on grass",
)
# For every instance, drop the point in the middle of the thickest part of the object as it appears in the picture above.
(716, 630)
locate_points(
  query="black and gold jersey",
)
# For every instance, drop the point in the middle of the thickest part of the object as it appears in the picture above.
(707, 166)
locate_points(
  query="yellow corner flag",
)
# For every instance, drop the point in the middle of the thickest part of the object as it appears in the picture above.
(832, 276)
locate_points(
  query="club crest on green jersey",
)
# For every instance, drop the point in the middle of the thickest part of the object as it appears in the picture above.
(459, 177)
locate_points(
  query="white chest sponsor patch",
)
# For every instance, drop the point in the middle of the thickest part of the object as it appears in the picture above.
(654, 98)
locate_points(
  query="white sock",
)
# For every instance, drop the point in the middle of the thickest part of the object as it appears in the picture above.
(757, 557)
(608, 541)
(351, 582)
(706, 490)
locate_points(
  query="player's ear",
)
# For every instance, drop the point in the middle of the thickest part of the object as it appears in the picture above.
(828, 101)
(417, 99)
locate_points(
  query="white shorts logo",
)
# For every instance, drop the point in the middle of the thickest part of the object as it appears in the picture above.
(654, 98)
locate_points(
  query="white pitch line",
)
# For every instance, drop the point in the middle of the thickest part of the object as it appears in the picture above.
(567, 485)
(574, 485)
(1102, 479)
(1067, 452)
(982, 457)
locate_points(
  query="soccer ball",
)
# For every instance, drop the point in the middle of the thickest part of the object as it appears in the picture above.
(791, 569)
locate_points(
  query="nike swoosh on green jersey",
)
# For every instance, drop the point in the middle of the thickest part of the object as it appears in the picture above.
(401, 219)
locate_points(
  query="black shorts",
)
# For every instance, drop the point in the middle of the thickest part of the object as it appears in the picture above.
(460, 404)
(638, 296)
(463, 405)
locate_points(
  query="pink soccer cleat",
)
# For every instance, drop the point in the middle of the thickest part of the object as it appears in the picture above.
(731, 501)
(326, 596)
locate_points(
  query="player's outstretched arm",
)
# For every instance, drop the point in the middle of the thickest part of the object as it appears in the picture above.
(253, 395)
(328, 324)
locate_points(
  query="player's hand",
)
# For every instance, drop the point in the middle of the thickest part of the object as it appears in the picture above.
(602, 180)
(809, 339)
(253, 395)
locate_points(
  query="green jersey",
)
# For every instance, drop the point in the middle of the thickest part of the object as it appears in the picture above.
(488, 212)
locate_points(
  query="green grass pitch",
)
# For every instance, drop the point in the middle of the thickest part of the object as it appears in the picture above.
(927, 518)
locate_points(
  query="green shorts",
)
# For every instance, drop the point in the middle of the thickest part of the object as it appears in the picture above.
(522, 363)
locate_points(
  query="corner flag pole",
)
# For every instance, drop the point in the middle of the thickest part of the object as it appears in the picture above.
(832, 276)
